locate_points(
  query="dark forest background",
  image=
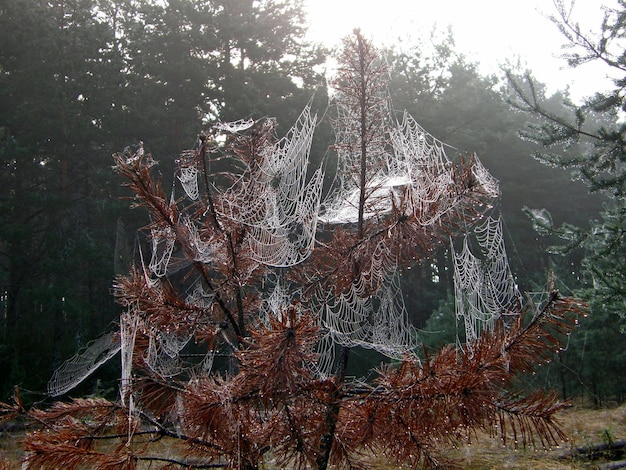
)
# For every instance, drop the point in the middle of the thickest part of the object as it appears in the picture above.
(83, 79)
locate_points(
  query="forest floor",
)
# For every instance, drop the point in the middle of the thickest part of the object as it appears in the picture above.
(593, 438)
(591, 433)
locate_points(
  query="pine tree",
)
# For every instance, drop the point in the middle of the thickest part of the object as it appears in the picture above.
(592, 137)
(55, 209)
(236, 330)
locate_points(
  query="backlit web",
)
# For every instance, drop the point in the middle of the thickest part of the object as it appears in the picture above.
(356, 318)
(277, 205)
(417, 165)
(74, 370)
(280, 208)
(415, 174)
(484, 287)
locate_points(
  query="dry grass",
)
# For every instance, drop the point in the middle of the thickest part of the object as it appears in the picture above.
(585, 427)
(10, 451)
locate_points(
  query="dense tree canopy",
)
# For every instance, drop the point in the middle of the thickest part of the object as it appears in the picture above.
(81, 80)
(238, 322)
(84, 79)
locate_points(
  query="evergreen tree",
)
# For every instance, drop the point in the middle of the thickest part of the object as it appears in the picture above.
(593, 136)
(252, 266)
(79, 81)
(54, 60)
(588, 140)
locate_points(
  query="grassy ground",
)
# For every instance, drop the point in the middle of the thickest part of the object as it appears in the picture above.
(10, 452)
(585, 428)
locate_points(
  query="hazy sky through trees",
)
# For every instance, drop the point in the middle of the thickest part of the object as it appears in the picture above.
(487, 31)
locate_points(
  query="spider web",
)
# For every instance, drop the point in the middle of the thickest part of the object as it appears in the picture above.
(414, 175)
(416, 165)
(280, 297)
(76, 369)
(163, 242)
(163, 352)
(189, 181)
(278, 206)
(374, 321)
(129, 325)
(484, 287)
(343, 205)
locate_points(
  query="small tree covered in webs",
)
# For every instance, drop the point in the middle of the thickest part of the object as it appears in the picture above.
(253, 264)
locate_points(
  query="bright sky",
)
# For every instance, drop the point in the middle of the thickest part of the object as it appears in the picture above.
(487, 31)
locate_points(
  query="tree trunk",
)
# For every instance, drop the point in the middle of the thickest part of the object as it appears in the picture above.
(332, 412)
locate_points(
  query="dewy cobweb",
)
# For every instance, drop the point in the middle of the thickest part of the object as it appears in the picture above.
(417, 163)
(280, 207)
(484, 287)
(416, 177)
(378, 322)
(76, 369)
